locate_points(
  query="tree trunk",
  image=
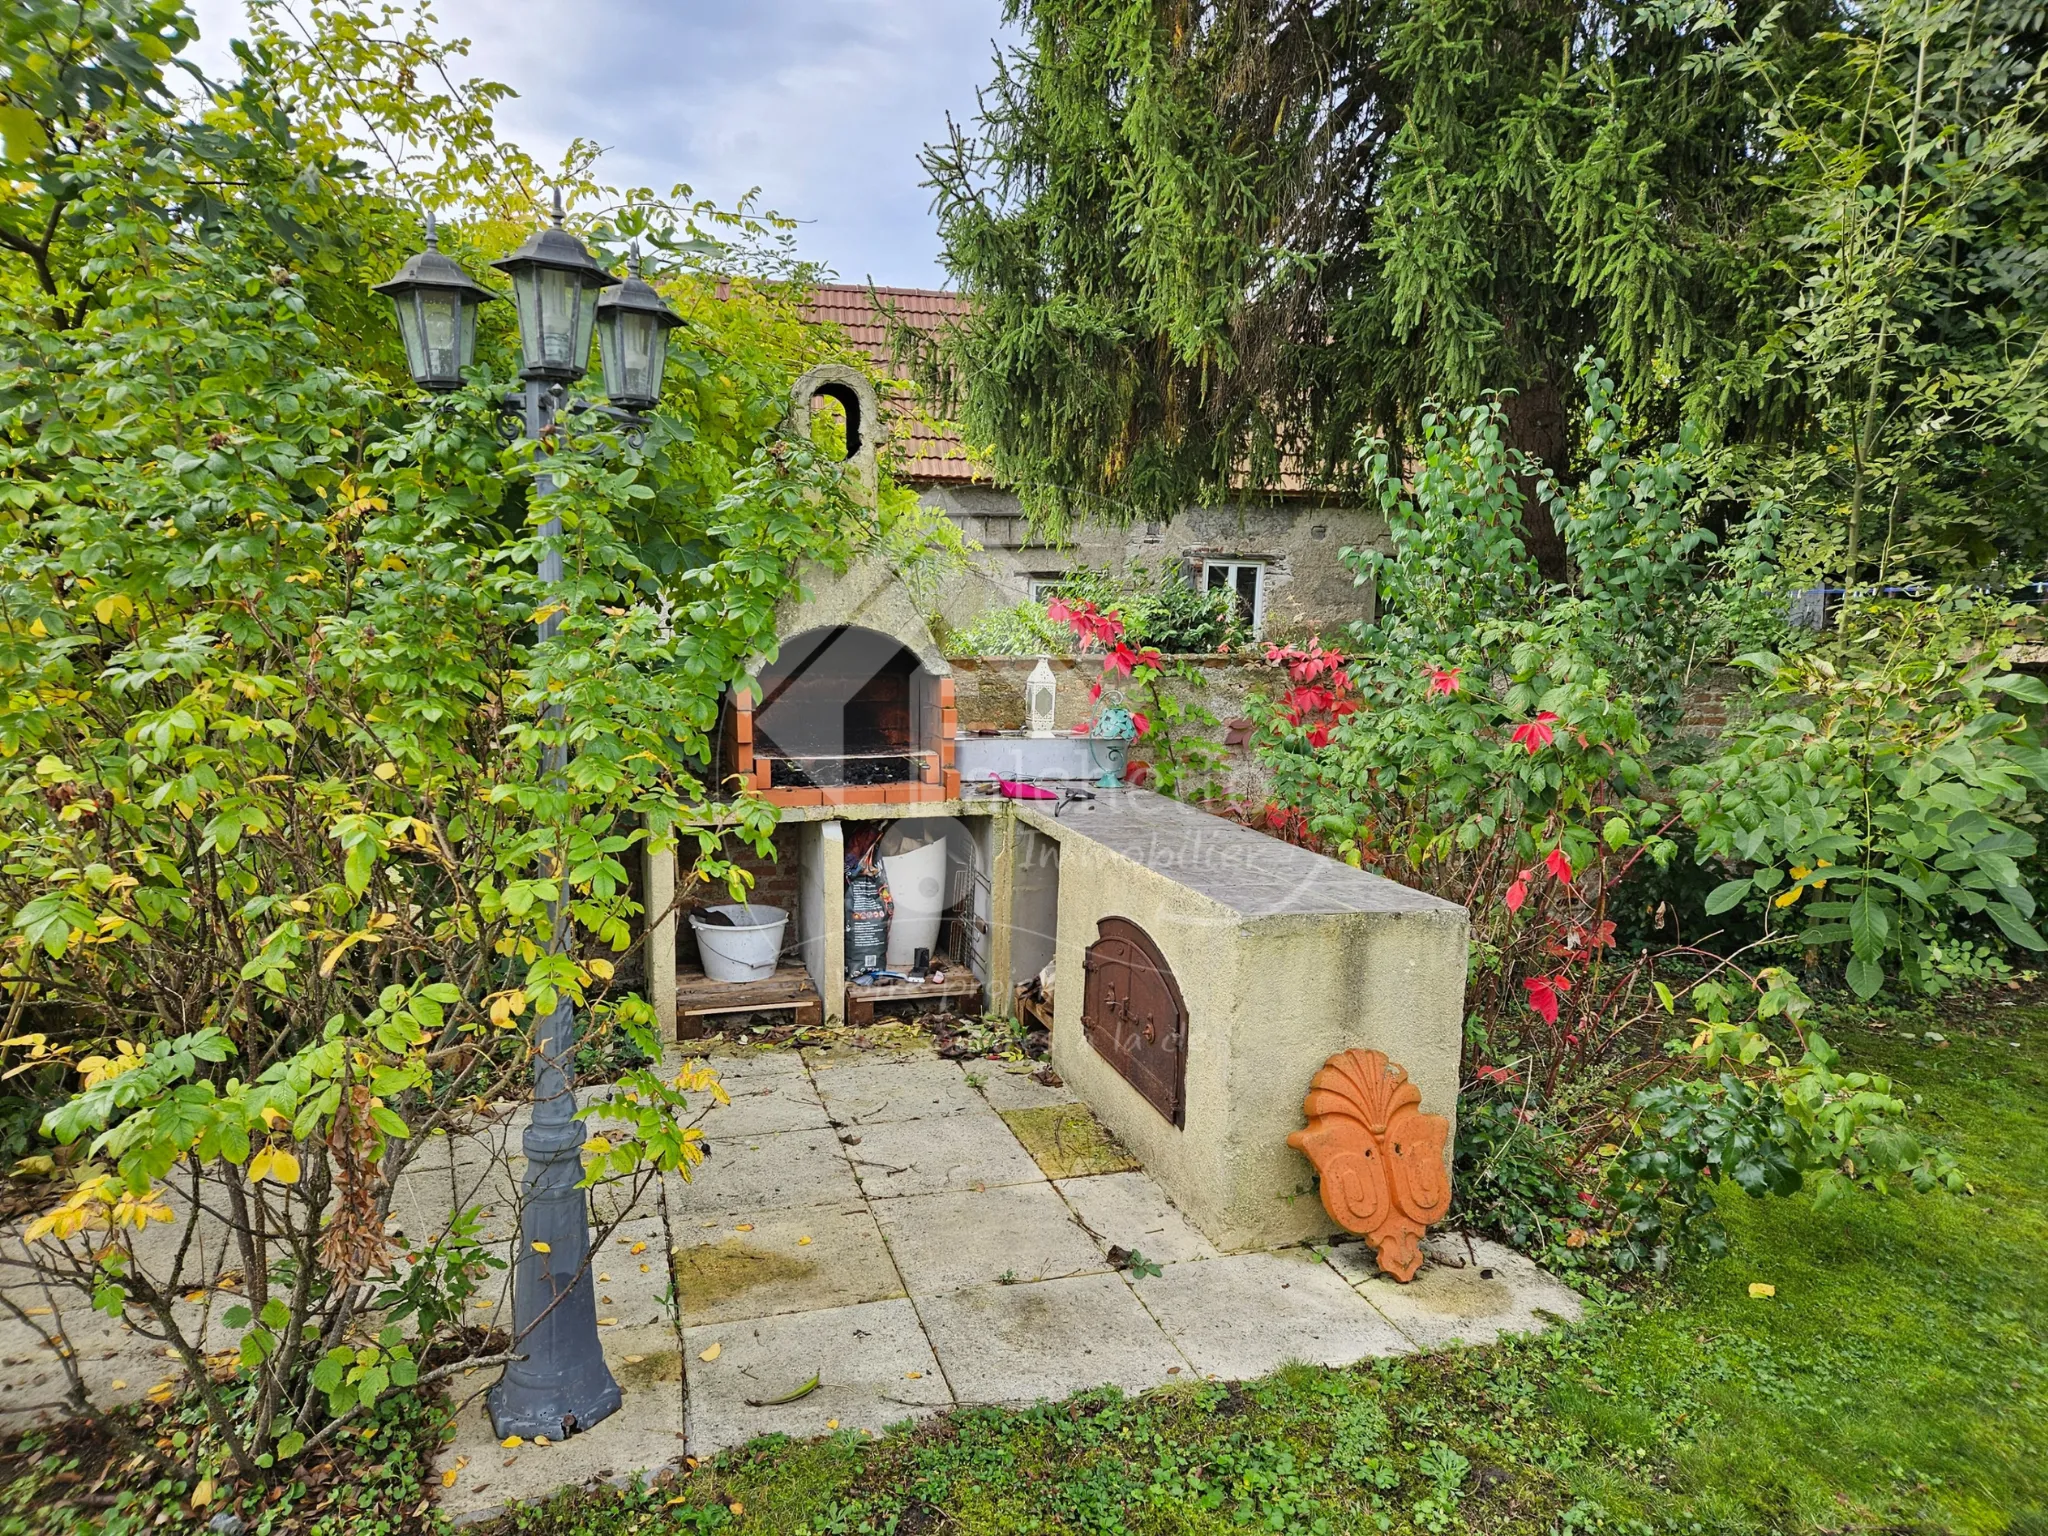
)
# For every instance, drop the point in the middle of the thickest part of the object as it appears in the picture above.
(1539, 425)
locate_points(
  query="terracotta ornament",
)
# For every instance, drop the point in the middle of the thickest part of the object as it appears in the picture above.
(1380, 1157)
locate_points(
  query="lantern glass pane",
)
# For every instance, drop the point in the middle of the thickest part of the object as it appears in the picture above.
(441, 336)
(586, 311)
(409, 332)
(550, 306)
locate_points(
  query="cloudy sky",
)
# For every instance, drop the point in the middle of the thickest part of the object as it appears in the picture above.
(822, 104)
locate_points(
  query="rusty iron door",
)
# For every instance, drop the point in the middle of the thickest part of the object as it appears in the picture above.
(1132, 1014)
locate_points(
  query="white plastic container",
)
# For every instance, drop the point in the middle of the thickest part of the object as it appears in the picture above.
(747, 950)
(917, 885)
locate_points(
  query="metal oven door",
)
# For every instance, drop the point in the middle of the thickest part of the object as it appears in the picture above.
(1133, 1016)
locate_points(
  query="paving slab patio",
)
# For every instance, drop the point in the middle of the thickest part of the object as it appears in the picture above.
(956, 1238)
(1014, 1085)
(1045, 1340)
(896, 1089)
(875, 1222)
(1244, 1314)
(873, 1364)
(1471, 1292)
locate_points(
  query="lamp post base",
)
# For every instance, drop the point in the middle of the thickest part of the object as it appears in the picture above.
(562, 1386)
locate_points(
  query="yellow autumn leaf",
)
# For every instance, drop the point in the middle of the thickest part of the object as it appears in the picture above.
(542, 1248)
(745, 1226)
(112, 608)
(607, 1322)
(637, 1248)
(448, 1478)
(1761, 1291)
(803, 1242)
(512, 1442)
(602, 969)
(386, 771)
(712, 1353)
(203, 1494)
(831, 1423)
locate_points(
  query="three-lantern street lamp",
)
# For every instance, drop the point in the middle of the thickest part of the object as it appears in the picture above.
(560, 1383)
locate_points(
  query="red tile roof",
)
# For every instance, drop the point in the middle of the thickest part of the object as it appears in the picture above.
(922, 451)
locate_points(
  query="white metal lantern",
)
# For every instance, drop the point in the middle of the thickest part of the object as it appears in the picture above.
(632, 339)
(436, 303)
(554, 287)
(1041, 691)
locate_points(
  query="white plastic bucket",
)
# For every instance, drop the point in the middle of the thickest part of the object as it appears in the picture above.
(747, 950)
(917, 885)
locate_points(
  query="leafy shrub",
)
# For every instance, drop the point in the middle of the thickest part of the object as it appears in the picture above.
(1517, 1177)
(1496, 756)
(1157, 695)
(1887, 801)
(1159, 608)
(1022, 630)
(1761, 1120)
(313, 832)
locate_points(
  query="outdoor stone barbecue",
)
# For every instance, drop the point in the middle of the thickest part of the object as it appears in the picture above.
(1201, 974)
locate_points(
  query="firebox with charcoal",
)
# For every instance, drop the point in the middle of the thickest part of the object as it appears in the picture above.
(839, 709)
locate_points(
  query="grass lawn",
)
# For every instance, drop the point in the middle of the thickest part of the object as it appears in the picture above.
(1897, 1382)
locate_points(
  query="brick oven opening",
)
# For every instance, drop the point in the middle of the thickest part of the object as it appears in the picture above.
(843, 708)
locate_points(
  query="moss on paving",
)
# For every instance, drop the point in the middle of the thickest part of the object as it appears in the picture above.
(710, 1273)
(1897, 1382)
(1067, 1141)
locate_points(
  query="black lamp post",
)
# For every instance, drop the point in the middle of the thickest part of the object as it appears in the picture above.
(560, 1384)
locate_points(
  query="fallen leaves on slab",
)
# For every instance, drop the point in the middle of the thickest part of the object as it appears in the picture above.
(512, 1442)
(712, 1353)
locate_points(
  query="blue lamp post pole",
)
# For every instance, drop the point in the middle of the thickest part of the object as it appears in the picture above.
(559, 1384)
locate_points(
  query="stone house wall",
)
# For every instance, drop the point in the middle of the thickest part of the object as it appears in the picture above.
(1309, 588)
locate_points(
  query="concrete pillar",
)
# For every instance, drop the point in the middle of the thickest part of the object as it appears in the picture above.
(821, 911)
(661, 939)
(1002, 982)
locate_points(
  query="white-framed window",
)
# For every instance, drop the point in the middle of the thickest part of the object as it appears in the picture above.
(1243, 579)
(1045, 584)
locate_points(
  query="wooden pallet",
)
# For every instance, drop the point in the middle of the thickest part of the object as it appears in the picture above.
(862, 998)
(1031, 1010)
(699, 999)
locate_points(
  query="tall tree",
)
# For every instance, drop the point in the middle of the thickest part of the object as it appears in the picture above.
(1212, 241)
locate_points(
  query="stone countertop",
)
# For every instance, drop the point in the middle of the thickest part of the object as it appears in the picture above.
(1244, 871)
